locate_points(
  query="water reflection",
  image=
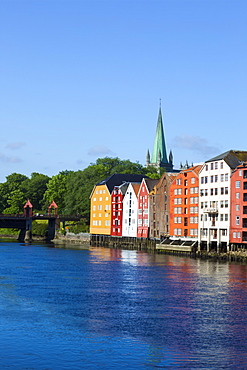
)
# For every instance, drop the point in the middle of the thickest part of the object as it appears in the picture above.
(112, 308)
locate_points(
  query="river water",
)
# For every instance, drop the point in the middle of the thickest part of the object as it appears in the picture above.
(117, 309)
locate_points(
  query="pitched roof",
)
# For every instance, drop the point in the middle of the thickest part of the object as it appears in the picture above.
(159, 150)
(232, 157)
(150, 183)
(118, 179)
(136, 187)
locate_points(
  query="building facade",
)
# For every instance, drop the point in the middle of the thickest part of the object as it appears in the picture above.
(238, 228)
(184, 204)
(130, 210)
(147, 185)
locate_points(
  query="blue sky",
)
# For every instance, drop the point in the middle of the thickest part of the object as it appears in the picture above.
(83, 79)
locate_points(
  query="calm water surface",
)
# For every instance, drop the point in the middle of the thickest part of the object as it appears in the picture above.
(118, 309)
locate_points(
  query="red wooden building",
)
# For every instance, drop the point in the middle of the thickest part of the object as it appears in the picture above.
(147, 185)
(238, 221)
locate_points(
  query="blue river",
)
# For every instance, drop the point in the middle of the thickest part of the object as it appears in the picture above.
(101, 308)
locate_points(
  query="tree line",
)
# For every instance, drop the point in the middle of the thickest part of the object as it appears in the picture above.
(69, 189)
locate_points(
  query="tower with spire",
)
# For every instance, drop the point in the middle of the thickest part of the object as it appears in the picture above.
(159, 156)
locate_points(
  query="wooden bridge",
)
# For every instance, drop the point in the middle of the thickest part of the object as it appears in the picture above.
(23, 221)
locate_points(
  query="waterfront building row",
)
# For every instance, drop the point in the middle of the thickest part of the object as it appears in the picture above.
(204, 204)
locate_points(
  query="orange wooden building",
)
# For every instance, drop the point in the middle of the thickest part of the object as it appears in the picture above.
(184, 204)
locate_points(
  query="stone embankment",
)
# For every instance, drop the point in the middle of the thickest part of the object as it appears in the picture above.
(83, 238)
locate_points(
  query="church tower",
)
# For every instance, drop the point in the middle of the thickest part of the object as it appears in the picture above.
(159, 155)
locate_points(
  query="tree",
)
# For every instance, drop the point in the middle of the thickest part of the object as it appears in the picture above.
(34, 189)
(56, 190)
(16, 202)
(13, 182)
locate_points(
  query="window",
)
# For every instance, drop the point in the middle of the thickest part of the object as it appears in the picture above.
(226, 203)
(211, 191)
(226, 177)
(212, 166)
(234, 235)
(226, 190)
(206, 179)
(237, 220)
(221, 191)
(237, 184)
(240, 173)
(221, 217)
(202, 180)
(216, 191)
(211, 179)
(226, 217)
(193, 180)
(100, 199)
(237, 195)
(100, 191)
(216, 178)
(237, 207)
(221, 177)
(216, 165)
(221, 165)
(100, 207)
(206, 167)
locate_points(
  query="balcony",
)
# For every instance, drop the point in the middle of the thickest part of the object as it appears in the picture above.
(211, 210)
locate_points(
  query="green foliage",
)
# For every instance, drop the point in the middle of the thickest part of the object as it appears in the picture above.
(78, 227)
(39, 228)
(34, 189)
(15, 202)
(56, 190)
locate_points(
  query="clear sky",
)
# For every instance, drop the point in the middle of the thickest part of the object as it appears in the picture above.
(82, 79)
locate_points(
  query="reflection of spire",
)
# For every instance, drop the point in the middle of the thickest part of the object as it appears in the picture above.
(159, 143)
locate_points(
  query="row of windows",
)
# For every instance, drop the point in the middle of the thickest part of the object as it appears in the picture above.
(100, 214)
(204, 232)
(178, 220)
(99, 223)
(212, 204)
(100, 199)
(107, 207)
(143, 221)
(100, 191)
(214, 166)
(179, 181)
(222, 216)
(193, 232)
(193, 190)
(213, 191)
(214, 178)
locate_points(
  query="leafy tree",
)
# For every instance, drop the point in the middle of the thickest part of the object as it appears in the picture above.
(34, 189)
(56, 190)
(13, 182)
(16, 202)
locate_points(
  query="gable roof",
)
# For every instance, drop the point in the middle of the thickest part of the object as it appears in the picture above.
(119, 179)
(159, 150)
(232, 157)
(150, 183)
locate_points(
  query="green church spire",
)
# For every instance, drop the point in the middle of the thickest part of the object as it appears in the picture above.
(159, 151)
